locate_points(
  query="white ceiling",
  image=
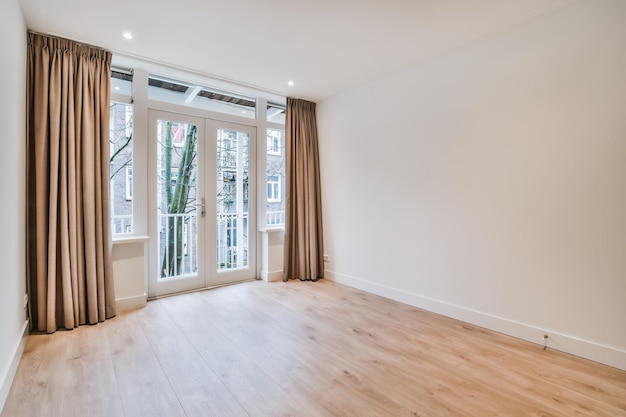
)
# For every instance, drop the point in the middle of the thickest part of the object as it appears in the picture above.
(324, 46)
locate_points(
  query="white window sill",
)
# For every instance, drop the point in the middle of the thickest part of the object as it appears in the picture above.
(272, 229)
(129, 239)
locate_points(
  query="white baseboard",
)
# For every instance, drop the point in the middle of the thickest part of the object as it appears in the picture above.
(587, 349)
(8, 375)
(128, 303)
(272, 276)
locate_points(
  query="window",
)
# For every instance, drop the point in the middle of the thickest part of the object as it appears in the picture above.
(275, 176)
(275, 113)
(121, 167)
(274, 145)
(129, 183)
(273, 189)
(121, 81)
(190, 94)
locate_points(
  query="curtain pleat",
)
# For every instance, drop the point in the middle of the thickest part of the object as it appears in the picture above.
(303, 209)
(70, 279)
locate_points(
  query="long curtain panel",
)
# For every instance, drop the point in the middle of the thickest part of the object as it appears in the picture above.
(303, 209)
(70, 280)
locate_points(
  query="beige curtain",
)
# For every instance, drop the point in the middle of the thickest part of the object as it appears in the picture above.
(70, 279)
(303, 210)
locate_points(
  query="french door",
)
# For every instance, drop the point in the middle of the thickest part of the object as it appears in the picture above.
(202, 203)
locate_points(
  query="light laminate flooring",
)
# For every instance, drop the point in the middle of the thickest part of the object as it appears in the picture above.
(300, 349)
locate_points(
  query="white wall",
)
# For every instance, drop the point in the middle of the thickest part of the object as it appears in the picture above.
(489, 184)
(129, 271)
(12, 189)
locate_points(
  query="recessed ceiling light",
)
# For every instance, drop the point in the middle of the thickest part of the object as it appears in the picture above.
(128, 35)
(290, 83)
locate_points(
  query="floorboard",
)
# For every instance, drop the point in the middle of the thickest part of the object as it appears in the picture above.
(301, 349)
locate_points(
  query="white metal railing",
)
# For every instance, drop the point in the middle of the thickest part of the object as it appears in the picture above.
(179, 256)
(178, 244)
(122, 224)
(275, 217)
(232, 241)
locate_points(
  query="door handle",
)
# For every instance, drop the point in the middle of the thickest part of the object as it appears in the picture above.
(202, 206)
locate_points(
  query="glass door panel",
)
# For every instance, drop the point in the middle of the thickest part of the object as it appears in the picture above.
(234, 201)
(177, 198)
(233, 162)
(177, 243)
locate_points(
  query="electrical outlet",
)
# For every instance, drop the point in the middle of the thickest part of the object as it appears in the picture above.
(325, 258)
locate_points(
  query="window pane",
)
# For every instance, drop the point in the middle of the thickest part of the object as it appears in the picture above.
(177, 213)
(276, 113)
(121, 82)
(233, 161)
(275, 177)
(274, 138)
(121, 168)
(200, 97)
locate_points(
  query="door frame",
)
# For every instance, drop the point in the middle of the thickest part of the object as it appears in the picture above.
(207, 275)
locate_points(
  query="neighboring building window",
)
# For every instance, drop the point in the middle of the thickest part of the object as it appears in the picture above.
(121, 167)
(274, 139)
(129, 183)
(273, 189)
(275, 177)
(128, 120)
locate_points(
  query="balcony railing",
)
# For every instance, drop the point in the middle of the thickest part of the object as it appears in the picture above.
(232, 244)
(122, 224)
(275, 218)
(178, 244)
(178, 253)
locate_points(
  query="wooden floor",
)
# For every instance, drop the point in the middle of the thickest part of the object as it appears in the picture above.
(301, 349)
